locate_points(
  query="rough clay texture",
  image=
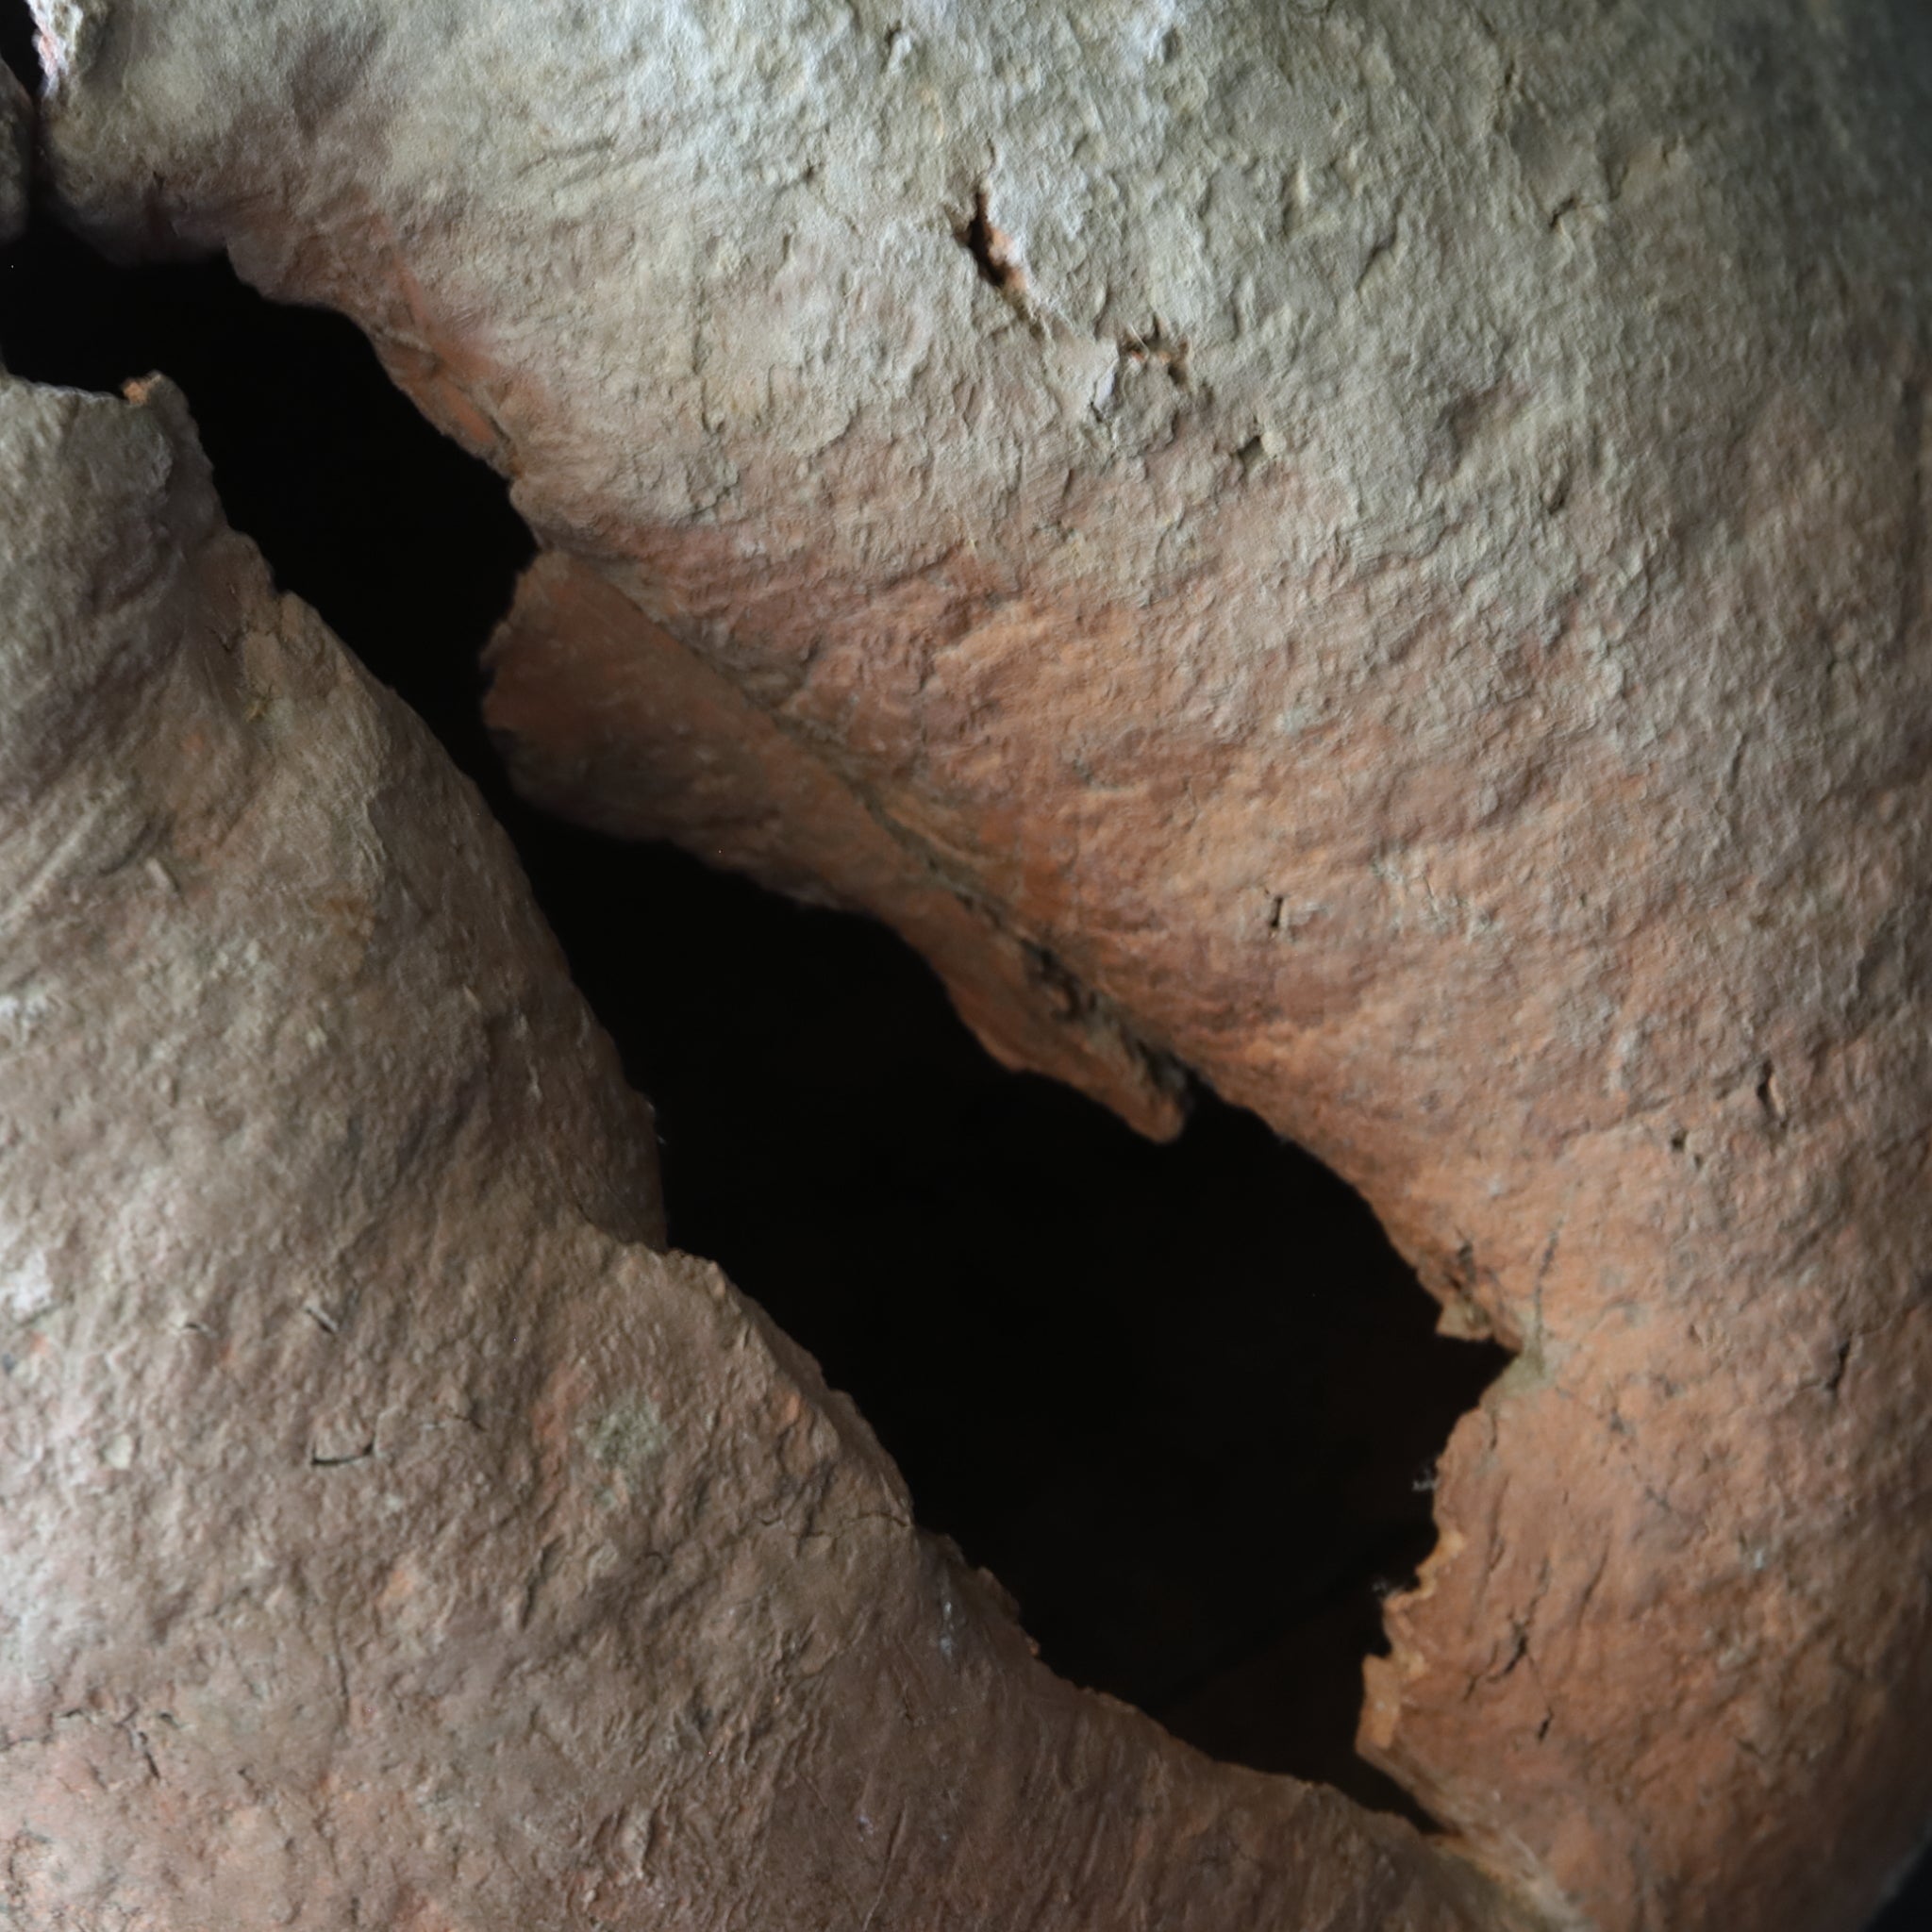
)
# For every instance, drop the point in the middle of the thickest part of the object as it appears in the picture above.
(1377, 552)
(394, 1535)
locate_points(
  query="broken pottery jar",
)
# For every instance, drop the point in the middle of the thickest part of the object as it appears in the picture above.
(1375, 551)
(394, 1534)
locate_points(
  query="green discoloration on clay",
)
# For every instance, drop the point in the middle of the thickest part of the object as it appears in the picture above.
(627, 1435)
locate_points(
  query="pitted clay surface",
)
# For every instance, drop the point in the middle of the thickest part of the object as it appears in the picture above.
(1372, 552)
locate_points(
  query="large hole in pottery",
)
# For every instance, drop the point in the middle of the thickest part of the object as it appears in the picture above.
(1183, 1400)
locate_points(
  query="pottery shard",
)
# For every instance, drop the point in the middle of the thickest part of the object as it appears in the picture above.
(394, 1534)
(1379, 550)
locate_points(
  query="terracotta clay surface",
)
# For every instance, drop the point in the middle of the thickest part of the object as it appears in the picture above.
(1374, 551)
(393, 1534)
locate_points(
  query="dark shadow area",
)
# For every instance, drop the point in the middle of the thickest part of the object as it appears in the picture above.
(1183, 1401)
(1910, 1909)
(1911, 1906)
(17, 48)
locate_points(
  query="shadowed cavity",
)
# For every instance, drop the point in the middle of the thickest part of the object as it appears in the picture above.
(1183, 1401)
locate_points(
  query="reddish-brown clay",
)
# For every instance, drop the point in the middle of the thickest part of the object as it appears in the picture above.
(394, 1534)
(1376, 552)
(677, 747)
